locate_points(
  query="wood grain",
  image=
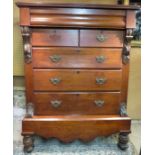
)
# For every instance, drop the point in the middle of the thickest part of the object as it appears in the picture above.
(77, 103)
(85, 57)
(131, 19)
(77, 17)
(24, 16)
(76, 80)
(75, 4)
(54, 37)
(88, 38)
(63, 90)
(69, 128)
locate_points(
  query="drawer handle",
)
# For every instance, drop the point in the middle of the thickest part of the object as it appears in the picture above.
(100, 59)
(99, 103)
(101, 37)
(101, 81)
(55, 80)
(56, 103)
(55, 58)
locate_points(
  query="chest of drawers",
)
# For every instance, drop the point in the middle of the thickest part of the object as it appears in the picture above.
(76, 70)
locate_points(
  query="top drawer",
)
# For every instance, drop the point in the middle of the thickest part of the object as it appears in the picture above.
(77, 17)
(54, 37)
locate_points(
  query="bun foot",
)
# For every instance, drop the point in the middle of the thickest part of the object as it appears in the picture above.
(28, 143)
(123, 141)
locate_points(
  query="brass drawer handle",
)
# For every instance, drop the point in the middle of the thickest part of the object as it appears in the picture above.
(55, 80)
(56, 103)
(100, 59)
(100, 81)
(55, 58)
(101, 37)
(99, 103)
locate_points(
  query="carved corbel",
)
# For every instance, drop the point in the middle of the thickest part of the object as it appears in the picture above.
(29, 110)
(123, 111)
(127, 46)
(26, 34)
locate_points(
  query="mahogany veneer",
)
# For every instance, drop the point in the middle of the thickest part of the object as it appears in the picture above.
(76, 70)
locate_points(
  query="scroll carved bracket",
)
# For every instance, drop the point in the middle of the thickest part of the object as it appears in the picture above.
(26, 34)
(123, 110)
(127, 46)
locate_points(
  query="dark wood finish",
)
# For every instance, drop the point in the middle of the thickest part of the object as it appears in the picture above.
(28, 142)
(76, 11)
(54, 37)
(125, 78)
(130, 19)
(127, 46)
(26, 34)
(24, 16)
(76, 80)
(88, 38)
(81, 17)
(69, 128)
(76, 69)
(85, 57)
(77, 103)
(75, 4)
(123, 140)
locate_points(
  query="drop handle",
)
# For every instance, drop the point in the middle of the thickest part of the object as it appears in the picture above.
(99, 103)
(100, 59)
(101, 37)
(55, 58)
(55, 80)
(56, 103)
(100, 81)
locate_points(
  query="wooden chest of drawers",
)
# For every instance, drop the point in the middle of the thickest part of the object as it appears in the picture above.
(76, 70)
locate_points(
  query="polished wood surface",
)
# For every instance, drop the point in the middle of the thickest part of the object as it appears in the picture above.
(76, 80)
(70, 128)
(77, 17)
(88, 38)
(85, 57)
(75, 4)
(77, 103)
(77, 65)
(54, 37)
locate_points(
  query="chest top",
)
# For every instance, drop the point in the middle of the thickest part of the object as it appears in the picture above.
(82, 14)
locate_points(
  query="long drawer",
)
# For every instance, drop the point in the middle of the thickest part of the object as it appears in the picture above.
(76, 103)
(76, 80)
(77, 17)
(76, 57)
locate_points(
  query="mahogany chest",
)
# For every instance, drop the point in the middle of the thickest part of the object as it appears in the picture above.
(76, 70)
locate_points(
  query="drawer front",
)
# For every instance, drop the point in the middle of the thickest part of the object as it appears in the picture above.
(76, 58)
(76, 103)
(101, 38)
(77, 17)
(76, 80)
(54, 37)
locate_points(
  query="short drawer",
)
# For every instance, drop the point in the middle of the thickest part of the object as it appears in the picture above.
(76, 103)
(54, 37)
(101, 38)
(77, 58)
(76, 80)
